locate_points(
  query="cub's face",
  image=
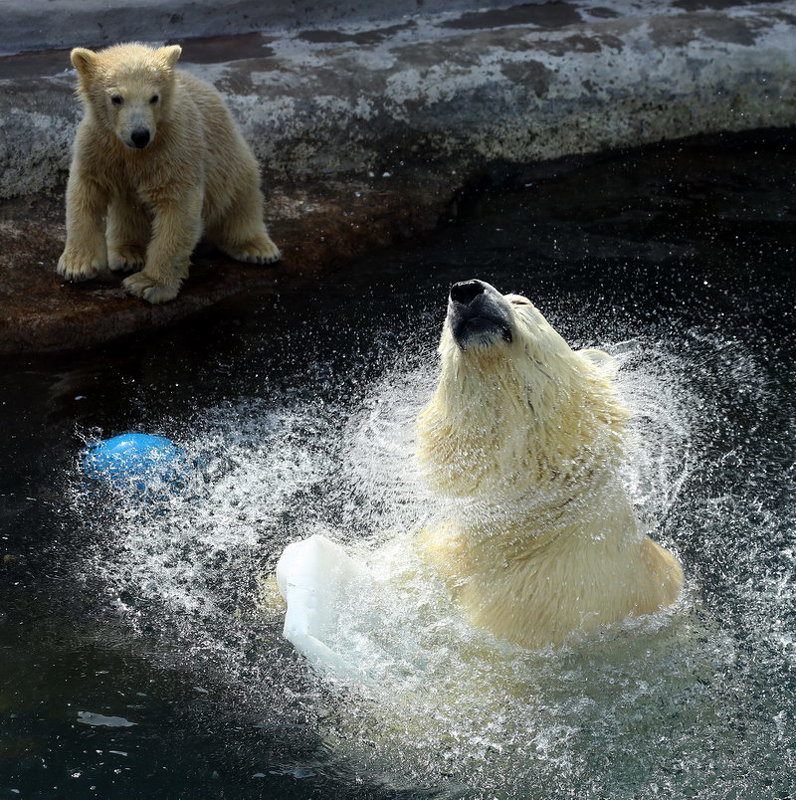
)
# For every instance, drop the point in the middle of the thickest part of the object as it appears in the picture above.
(134, 104)
(128, 88)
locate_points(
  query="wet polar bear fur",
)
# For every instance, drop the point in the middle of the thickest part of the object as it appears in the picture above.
(525, 437)
(157, 160)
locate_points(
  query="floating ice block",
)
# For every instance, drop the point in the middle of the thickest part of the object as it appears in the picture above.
(320, 583)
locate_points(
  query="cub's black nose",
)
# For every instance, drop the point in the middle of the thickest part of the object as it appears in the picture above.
(140, 137)
(465, 292)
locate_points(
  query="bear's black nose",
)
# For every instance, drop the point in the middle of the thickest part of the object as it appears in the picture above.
(140, 137)
(478, 315)
(465, 292)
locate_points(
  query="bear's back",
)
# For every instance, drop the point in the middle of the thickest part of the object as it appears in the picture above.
(228, 159)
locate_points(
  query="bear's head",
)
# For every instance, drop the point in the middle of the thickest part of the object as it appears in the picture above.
(516, 411)
(127, 88)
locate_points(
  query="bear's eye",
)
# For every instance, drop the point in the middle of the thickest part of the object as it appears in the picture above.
(117, 99)
(520, 302)
(154, 99)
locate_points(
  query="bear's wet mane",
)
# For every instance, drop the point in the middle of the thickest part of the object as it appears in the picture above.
(518, 418)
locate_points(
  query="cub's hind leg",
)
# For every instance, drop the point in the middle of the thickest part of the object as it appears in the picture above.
(241, 232)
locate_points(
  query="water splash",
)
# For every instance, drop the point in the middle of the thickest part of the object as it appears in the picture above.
(695, 704)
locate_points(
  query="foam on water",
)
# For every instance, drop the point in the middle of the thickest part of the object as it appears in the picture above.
(695, 703)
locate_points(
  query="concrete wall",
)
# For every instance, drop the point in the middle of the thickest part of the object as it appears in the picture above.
(451, 90)
(43, 25)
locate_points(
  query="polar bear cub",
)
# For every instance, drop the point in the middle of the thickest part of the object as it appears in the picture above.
(525, 436)
(157, 160)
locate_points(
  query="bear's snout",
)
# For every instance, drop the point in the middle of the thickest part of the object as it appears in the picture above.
(140, 138)
(478, 314)
(466, 291)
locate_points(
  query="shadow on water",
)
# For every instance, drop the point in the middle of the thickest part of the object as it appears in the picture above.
(134, 660)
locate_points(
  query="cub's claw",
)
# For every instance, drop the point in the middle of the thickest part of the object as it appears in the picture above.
(153, 291)
(126, 259)
(76, 266)
(259, 251)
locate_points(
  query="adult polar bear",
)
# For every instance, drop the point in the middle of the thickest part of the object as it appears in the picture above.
(528, 435)
(525, 437)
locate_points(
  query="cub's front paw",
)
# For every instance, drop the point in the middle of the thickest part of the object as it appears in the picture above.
(151, 289)
(126, 258)
(260, 250)
(75, 265)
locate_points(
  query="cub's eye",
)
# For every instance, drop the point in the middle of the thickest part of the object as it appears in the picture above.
(117, 99)
(154, 99)
(520, 302)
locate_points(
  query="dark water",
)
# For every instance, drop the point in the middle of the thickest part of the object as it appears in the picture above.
(679, 260)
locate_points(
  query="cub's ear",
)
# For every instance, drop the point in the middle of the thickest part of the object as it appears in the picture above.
(171, 55)
(606, 364)
(84, 61)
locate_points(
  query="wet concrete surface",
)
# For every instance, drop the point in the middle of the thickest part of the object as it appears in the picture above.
(431, 99)
(318, 229)
(47, 25)
(549, 15)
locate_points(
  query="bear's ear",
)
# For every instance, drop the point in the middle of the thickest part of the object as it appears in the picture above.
(84, 61)
(605, 363)
(171, 55)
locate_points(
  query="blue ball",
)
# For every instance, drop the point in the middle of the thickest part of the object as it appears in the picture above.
(136, 459)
